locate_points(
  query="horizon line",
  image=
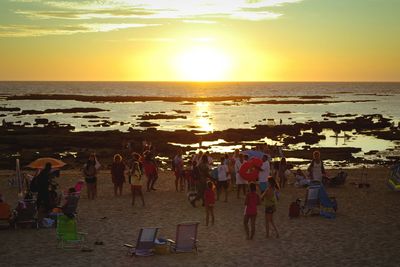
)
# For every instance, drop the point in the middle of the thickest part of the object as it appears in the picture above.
(239, 81)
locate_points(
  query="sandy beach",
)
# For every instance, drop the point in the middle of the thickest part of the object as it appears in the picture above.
(366, 231)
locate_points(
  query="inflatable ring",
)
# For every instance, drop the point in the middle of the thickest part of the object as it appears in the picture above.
(250, 169)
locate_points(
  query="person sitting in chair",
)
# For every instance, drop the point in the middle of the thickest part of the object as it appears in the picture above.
(5, 210)
(71, 203)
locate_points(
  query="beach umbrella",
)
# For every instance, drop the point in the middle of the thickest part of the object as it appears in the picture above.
(254, 153)
(18, 176)
(41, 162)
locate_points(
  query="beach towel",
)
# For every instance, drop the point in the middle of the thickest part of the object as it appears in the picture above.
(325, 200)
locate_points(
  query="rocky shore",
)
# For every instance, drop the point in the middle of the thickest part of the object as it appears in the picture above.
(49, 138)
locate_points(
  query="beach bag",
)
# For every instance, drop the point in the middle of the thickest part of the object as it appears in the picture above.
(294, 210)
(47, 223)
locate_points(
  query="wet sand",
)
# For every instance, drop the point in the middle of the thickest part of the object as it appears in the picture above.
(366, 231)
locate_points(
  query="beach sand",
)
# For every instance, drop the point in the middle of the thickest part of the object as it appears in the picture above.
(366, 231)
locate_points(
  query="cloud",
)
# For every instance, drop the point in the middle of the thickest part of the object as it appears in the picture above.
(85, 14)
(199, 21)
(156, 9)
(32, 30)
(137, 12)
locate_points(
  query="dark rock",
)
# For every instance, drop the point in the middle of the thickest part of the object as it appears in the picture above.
(9, 109)
(148, 124)
(160, 117)
(41, 121)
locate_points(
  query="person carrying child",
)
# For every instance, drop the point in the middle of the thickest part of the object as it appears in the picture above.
(250, 213)
(270, 200)
(135, 178)
(209, 201)
(203, 172)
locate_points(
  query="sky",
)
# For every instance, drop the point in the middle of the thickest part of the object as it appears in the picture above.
(200, 40)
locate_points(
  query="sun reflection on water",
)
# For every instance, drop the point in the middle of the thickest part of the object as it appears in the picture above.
(202, 119)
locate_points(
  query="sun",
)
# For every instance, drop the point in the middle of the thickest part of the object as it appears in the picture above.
(202, 63)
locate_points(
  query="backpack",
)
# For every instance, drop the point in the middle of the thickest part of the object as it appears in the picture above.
(294, 209)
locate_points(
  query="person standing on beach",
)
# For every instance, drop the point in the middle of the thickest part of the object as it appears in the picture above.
(264, 173)
(178, 170)
(90, 174)
(240, 182)
(118, 174)
(43, 182)
(269, 197)
(282, 172)
(316, 168)
(197, 157)
(209, 199)
(210, 160)
(223, 179)
(136, 181)
(250, 214)
(204, 175)
(150, 169)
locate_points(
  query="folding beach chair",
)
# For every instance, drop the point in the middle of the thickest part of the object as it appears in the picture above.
(186, 237)
(317, 199)
(339, 179)
(67, 234)
(145, 242)
(27, 213)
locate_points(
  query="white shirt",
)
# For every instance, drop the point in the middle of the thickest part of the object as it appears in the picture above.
(178, 162)
(239, 179)
(222, 173)
(265, 172)
(317, 171)
(210, 160)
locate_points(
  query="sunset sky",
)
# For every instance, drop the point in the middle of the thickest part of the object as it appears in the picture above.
(179, 40)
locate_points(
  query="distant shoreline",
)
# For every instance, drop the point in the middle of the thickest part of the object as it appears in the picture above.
(94, 98)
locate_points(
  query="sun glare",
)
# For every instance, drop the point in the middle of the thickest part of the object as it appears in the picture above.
(203, 117)
(202, 64)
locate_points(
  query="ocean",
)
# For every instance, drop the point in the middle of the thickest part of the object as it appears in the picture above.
(245, 104)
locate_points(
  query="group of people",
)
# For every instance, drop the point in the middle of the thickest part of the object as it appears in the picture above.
(271, 178)
(210, 184)
(134, 167)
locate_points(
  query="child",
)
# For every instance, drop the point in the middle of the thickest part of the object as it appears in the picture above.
(71, 203)
(5, 210)
(209, 199)
(136, 179)
(269, 197)
(223, 177)
(251, 202)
